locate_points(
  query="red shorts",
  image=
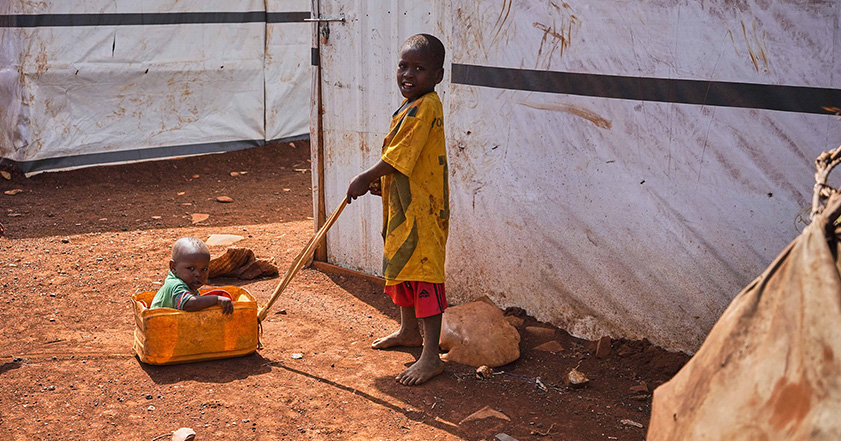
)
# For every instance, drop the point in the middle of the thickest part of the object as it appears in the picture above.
(428, 298)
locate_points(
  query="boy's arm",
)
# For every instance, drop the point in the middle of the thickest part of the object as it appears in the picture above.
(359, 185)
(201, 302)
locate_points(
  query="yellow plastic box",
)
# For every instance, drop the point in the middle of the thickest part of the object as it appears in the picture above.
(169, 336)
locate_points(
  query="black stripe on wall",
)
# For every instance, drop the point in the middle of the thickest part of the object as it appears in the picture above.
(710, 93)
(141, 19)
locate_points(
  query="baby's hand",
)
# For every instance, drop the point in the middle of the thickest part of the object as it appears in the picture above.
(226, 304)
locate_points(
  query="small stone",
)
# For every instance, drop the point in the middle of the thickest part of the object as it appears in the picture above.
(603, 347)
(184, 434)
(540, 332)
(157, 217)
(297, 356)
(641, 388)
(282, 312)
(223, 239)
(199, 217)
(65, 240)
(514, 320)
(550, 346)
(195, 176)
(576, 379)
(484, 372)
(13, 192)
(6, 175)
(224, 199)
(182, 193)
(150, 408)
(234, 173)
(628, 422)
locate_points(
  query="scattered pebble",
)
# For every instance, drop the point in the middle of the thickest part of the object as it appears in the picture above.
(484, 372)
(6, 175)
(297, 356)
(576, 379)
(13, 192)
(628, 422)
(224, 199)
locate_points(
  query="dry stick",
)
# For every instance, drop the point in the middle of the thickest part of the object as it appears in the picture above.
(300, 259)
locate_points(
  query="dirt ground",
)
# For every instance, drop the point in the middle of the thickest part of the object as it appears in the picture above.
(78, 244)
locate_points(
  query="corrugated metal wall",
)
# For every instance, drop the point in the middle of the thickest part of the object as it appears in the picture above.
(616, 168)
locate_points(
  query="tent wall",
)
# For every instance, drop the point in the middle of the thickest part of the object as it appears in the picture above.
(91, 82)
(616, 169)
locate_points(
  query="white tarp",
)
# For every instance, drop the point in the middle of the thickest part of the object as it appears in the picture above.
(104, 81)
(636, 166)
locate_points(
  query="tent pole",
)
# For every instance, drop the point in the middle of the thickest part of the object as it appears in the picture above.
(317, 136)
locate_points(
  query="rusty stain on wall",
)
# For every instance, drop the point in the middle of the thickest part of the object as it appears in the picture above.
(755, 42)
(578, 111)
(502, 20)
(557, 38)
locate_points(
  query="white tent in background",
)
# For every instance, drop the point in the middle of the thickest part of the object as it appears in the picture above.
(86, 83)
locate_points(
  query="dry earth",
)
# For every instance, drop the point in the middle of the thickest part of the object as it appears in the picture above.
(78, 244)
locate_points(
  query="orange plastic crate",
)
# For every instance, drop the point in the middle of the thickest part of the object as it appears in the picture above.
(170, 336)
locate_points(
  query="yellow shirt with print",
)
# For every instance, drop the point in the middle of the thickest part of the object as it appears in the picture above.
(416, 208)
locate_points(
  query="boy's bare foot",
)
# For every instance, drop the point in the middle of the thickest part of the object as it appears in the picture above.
(420, 372)
(398, 339)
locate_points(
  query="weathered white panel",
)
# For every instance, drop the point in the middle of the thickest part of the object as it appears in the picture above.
(76, 92)
(127, 6)
(634, 219)
(603, 216)
(643, 226)
(100, 89)
(288, 78)
(754, 41)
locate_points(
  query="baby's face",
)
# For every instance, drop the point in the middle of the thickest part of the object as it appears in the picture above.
(417, 74)
(191, 268)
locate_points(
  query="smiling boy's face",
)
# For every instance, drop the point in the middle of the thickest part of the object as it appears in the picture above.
(417, 73)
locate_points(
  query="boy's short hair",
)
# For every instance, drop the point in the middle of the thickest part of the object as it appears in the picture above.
(429, 44)
(188, 243)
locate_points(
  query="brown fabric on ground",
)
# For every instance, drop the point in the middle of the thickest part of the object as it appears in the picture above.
(240, 263)
(770, 369)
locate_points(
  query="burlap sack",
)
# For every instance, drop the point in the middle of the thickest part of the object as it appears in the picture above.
(770, 369)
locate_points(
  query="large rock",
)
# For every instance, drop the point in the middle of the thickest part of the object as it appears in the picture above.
(478, 334)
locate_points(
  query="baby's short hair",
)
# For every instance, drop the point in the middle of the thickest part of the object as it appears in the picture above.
(188, 244)
(431, 45)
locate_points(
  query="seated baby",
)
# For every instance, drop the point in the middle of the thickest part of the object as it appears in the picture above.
(187, 273)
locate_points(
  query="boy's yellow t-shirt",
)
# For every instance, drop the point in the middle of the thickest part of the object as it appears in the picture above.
(416, 207)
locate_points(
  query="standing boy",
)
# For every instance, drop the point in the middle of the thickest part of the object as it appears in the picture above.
(413, 178)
